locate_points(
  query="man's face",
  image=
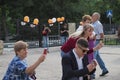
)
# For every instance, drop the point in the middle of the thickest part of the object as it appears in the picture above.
(94, 18)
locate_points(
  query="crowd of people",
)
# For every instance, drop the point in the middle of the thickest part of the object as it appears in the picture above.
(79, 52)
(91, 30)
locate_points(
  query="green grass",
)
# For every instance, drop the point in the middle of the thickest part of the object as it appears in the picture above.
(111, 42)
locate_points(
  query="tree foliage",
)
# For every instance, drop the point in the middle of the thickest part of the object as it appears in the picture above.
(72, 10)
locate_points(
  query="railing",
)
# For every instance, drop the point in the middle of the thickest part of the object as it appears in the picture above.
(112, 41)
(54, 40)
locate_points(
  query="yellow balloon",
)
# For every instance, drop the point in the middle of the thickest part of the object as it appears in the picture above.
(36, 21)
(26, 19)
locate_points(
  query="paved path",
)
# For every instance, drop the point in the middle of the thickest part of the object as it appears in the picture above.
(50, 69)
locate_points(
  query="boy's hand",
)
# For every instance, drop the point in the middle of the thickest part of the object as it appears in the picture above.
(42, 58)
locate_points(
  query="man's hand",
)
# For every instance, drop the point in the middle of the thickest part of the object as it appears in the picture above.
(92, 65)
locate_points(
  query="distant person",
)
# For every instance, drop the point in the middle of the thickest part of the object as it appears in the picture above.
(18, 68)
(75, 65)
(118, 33)
(98, 28)
(86, 19)
(64, 33)
(46, 30)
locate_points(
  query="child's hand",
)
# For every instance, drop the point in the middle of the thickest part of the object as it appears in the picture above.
(42, 58)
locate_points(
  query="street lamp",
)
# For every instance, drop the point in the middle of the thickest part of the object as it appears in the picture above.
(26, 20)
(60, 20)
(50, 22)
(35, 23)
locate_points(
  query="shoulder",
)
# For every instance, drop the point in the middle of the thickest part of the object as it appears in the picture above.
(68, 55)
(99, 23)
(19, 62)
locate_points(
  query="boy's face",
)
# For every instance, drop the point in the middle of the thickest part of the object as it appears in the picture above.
(22, 53)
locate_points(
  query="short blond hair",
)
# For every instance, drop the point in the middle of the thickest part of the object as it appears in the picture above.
(86, 17)
(19, 45)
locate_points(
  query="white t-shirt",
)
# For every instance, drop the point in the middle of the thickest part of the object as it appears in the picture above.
(80, 28)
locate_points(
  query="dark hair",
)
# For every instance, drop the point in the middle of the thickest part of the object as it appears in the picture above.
(82, 42)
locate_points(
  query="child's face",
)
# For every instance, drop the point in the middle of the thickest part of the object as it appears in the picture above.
(22, 53)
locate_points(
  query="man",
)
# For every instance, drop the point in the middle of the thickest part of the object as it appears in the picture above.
(64, 33)
(98, 28)
(75, 65)
(45, 32)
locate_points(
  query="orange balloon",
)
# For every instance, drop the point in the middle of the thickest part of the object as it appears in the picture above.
(50, 21)
(62, 18)
(36, 21)
(58, 19)
(26, 19)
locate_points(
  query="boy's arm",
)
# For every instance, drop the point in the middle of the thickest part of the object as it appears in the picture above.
(31, 69)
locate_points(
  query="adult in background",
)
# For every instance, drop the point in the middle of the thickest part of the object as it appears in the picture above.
(64, 33)
(46, 30)
(98, 28)
(75, 65)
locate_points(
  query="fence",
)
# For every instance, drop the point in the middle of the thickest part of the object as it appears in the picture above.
(112, 41)
(54, 40)
(110, 29)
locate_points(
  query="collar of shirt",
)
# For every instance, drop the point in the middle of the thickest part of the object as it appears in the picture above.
(79, 62)
(95, 22)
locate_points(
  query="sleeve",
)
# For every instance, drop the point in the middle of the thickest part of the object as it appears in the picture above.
(69, 72)
(69, 45)
(100, 28)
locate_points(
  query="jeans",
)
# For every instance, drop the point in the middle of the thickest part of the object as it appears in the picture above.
(45, 42)
(99, 59)
(63, 39)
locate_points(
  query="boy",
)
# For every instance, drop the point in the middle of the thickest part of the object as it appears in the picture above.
(18, 69)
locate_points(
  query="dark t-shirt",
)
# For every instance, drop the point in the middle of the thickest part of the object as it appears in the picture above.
(64, 33)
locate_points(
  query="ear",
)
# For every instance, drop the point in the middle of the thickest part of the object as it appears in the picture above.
(76, 46)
